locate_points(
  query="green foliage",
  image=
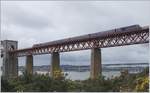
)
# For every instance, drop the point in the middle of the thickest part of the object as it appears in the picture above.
(43, 83)
(6, 86)
(99, 84)
(142, 84)
(130, 82)
(142, 81)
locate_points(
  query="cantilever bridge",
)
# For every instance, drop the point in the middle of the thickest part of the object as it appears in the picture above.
(129, 35)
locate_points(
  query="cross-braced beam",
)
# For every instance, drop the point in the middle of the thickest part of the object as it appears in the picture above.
(116, 37)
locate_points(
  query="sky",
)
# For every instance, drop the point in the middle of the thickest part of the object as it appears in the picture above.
(32, 22)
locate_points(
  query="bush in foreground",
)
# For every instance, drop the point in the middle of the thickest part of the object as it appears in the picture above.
(43, 83)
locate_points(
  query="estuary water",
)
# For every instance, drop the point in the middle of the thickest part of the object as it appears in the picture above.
(73, 75)
(86, 75)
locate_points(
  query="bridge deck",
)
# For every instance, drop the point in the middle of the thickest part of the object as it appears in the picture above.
(116, 37)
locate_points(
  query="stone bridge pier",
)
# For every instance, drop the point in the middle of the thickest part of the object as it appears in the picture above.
(55, 64)
(96, 65)
(29, 64)
(10, 62)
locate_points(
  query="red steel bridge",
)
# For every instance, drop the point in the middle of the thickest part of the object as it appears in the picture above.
(116, 37)
(129, 35)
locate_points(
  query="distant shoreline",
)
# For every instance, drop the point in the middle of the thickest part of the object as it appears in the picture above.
(136, 67)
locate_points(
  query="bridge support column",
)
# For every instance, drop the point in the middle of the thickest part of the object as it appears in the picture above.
(10, 61)
(13, 66)
(96, 66)
(55, 64)
(29, 64)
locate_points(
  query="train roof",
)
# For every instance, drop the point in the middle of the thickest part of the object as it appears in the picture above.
(103, 34)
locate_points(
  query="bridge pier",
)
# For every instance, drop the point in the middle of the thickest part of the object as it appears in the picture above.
(29, 64)
(10, 61)
(13, 66)
(55, 64)
(96, 66)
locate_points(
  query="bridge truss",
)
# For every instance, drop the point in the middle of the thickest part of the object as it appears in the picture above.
(117, 37)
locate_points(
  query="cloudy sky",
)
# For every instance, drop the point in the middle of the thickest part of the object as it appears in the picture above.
(31, 22)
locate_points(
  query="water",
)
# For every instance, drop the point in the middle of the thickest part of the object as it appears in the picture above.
(86, 75)
(82, 75)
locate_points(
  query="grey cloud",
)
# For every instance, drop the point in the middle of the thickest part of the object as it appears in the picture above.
(21, 17)
(126, 54)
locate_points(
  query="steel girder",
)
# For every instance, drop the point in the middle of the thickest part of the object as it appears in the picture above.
(129, 38)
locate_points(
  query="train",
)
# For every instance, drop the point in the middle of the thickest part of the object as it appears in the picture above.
(93, 35)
